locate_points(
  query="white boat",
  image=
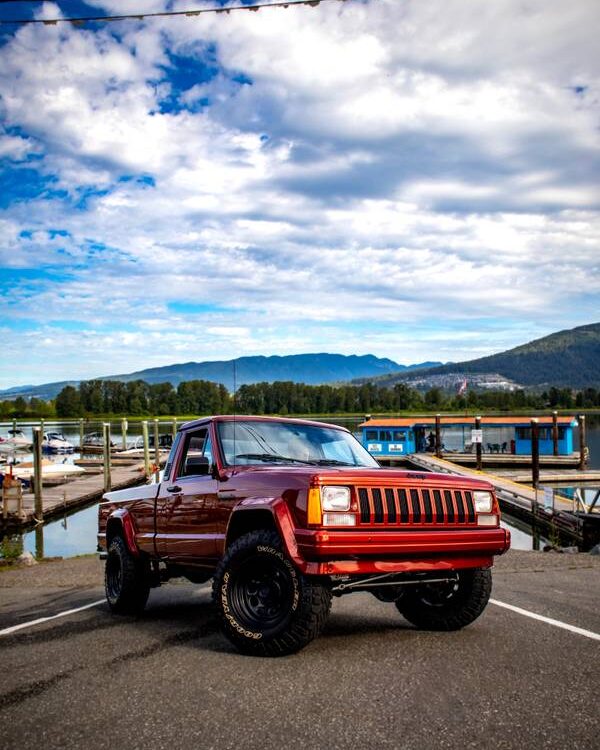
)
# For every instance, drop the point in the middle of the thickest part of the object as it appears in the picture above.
(49, 469)
(14, 440)
(56, 442)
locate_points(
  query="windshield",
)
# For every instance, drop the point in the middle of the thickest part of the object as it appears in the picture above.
(251, 442)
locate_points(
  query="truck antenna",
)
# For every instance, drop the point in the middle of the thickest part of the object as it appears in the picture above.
(234, 409)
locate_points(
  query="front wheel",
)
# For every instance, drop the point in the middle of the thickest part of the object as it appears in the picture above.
(267, 608)
(126, 579)
(448, 606)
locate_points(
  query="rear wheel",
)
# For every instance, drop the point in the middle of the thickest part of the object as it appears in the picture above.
(448, 606)
(126, 579)
(267, 607)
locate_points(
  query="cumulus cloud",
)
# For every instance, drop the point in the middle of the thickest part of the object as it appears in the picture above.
(417, 180)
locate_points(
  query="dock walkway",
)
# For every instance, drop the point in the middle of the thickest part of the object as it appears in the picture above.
(515, 493)
(77, 493)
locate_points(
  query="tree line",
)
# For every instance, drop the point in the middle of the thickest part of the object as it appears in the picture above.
(196, 397)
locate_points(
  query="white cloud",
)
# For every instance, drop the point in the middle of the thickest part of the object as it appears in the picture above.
(353, 177)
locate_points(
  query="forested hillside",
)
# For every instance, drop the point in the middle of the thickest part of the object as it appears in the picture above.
(200, 397)
(312, 369)
(568, 358)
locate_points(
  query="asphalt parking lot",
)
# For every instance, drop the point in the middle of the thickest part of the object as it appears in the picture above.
(170, 680)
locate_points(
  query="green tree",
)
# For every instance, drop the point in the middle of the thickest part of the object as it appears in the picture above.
(68, 402)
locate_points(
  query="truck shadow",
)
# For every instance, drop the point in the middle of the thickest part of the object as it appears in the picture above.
(196, 624)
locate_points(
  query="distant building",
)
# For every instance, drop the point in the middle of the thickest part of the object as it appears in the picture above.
(394, 438)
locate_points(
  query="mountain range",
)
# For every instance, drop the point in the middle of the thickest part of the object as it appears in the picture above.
(569, 358)
(313, 369)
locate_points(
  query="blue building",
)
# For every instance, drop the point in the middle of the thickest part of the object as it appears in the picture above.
(395, 438)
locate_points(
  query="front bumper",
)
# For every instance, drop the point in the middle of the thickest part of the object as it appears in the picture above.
(324, 543)
(360, 551)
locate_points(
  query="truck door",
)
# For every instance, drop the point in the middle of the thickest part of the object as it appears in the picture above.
(184, 526)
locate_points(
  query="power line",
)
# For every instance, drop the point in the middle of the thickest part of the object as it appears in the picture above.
(161, 14)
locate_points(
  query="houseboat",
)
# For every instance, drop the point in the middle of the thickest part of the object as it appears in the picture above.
(395, 438)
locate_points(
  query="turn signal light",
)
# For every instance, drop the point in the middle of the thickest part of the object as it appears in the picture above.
(487, 519)
(314, 506)
(339, 519)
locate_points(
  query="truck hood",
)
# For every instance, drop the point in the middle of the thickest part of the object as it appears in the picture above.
(358, 474)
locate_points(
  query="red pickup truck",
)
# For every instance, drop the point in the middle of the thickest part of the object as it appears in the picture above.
(283, 514)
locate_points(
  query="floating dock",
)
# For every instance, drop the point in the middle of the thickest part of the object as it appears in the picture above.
(489, 460)
(500, 439)
(77, 493)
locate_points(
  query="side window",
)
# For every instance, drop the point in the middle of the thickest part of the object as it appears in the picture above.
(371, 435)
(171, 459)
(194, 450)
(399, 435)
(207, 451)
(385, 435)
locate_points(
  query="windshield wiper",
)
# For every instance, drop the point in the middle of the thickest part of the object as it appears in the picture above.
(332, 462)
(274, 457)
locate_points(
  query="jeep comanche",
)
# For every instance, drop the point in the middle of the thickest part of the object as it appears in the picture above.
(283, 514)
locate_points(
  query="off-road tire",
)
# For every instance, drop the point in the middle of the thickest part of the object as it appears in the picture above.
(448, 606)
(126, 579)
(266, 606)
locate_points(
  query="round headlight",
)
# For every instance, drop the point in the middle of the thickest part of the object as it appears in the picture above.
(335, 498)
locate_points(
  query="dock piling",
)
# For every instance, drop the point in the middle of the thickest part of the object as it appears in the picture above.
(80, 435)
(535, 454)
(37, 473)
(39, 542)
(555, 433)
(582, 441)
(124, 426)
(106, 448)
(146, 447)
(156, 450)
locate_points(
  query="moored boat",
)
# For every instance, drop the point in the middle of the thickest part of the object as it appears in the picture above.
(56, 442)
(93, 442)
(25, 470)
(14, 440)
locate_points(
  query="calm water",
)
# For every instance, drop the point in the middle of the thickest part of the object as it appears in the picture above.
(76, 534)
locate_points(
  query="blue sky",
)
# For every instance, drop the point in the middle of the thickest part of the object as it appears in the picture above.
(412, 179)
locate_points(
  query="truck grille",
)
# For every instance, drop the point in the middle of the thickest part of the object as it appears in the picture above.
(411, 506)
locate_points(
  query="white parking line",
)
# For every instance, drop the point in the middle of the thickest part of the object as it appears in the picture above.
(14, 628)
(549, 620)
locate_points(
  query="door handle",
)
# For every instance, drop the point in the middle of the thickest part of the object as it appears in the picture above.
(174, 488)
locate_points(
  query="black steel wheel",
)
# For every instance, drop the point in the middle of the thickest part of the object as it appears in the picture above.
(448, 606)
(266, 606)
(126, 579)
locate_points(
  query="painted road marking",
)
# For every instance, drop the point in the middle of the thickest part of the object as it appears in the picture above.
(14, 628)
(549, 620)
(511, 607)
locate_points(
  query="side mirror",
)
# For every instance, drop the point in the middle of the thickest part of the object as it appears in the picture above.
(197, 466)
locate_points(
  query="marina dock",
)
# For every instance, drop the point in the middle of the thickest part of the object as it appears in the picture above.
(38, 490)
(62, 498)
